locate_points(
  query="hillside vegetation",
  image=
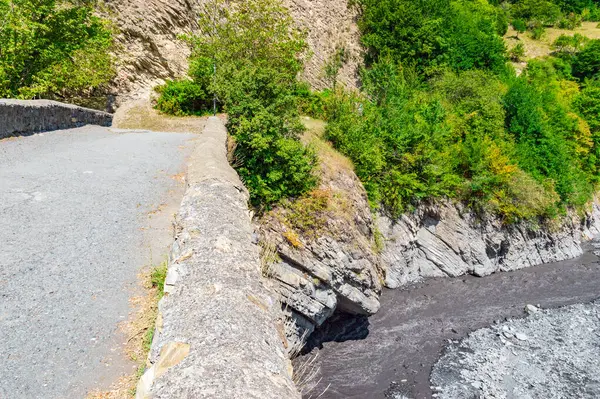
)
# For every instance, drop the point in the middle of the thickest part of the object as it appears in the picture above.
(441, 113)
(57, 49)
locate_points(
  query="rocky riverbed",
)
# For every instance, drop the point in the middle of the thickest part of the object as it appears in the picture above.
(392, 354)
(551, 354)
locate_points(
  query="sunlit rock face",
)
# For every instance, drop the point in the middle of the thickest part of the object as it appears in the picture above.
(150, 51)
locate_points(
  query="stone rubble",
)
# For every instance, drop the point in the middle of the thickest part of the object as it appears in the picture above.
(551, 354)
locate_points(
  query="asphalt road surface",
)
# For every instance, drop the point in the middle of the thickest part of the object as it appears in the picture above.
(81, 212)
(391, 354)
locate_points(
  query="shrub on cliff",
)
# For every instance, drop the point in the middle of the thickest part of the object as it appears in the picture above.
(257, 54)
(52, 49)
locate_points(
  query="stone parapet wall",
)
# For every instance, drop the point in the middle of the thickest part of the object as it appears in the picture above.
(23, 117)
(216, 334)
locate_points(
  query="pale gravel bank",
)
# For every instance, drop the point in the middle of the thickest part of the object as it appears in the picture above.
(550, 354)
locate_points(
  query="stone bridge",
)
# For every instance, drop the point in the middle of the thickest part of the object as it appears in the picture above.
(83, 210)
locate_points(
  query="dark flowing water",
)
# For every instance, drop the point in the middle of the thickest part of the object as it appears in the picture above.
(391, 353)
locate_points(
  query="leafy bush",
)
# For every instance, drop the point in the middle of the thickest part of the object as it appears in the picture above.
(517, 53)
(183, 97)
(433, 33)
(53, 49)
(544, 11)
(567, 44)
(519, 25)
(537, 31)
(313, 104)
(432, 124)
(587, 62)
(258, 55)
(274, 163)
(570, 21)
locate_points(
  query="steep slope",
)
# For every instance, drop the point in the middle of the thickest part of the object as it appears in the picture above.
(329, 253)
(150, 51)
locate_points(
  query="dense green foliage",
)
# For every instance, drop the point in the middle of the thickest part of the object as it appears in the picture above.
(443, 115)
(434, 33)
(52, 49)
(183, 97)
(257, 54)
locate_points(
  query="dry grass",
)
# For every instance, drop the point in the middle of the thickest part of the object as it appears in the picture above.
(139, 329)
(329, 157)
(543, 47)
(308, 217)
(268, 258)
(140, 115)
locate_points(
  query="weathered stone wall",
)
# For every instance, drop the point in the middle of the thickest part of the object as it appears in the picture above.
(448, 240)
(20, 117)
(216, 334)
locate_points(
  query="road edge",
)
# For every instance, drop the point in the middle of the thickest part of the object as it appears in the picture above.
(216, 333)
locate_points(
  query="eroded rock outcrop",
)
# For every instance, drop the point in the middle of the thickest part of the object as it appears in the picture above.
(331, 27)
(331, 254)
(324, 251)
(445, 239)
(149, 51)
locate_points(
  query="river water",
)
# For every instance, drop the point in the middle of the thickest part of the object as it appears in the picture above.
(391, 354)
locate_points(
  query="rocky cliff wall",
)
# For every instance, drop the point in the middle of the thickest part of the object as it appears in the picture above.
(331, 25)
(149, 51)
(333, 255)
(448, 240)
(324, 256)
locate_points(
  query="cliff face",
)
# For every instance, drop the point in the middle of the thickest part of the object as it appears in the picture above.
(447, 240)
(323, 253)
(150, 52)
(331, 25)
(148, 48)
(332, 254)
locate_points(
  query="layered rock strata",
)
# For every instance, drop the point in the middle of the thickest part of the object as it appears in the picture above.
(216, 334)
(326, 258)
(337, 266)
(448, 240)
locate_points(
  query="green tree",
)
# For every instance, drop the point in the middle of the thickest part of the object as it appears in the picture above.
(52, 49)
(587, 61)
(433, 33)
(257, 54)
(519, 26)
(544, 11)
(569, 45)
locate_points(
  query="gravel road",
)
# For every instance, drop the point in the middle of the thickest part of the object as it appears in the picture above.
(81, 212)
(391, 354)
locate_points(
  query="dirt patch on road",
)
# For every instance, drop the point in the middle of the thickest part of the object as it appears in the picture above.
(139, 332)
(140, 114)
